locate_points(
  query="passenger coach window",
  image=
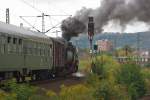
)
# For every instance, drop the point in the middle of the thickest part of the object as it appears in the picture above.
(20, 41)
(14, 40)
(8, 39)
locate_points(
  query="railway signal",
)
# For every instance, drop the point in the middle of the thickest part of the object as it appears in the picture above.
(91, 32)
(95, 47)
(91, 28)
(90, 37)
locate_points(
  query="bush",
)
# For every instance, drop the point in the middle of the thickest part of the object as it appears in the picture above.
(103, 92)
(106, 67)
(131, 77)
(93, 80)
(7, 96)
(106, 90)
(147, 65)
(146, 75)
(118, 82)
(85, 64)
(22, 91)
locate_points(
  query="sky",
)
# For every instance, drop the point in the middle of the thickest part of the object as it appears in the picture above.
(54, 7)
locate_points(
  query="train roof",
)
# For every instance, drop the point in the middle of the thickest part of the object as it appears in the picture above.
(15, 30)
(59, 40)
(62, 41)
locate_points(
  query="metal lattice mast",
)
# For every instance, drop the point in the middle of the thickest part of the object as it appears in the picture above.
(43, 23)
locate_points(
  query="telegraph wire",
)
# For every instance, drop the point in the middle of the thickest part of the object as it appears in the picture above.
(50, 16)
(31, 6)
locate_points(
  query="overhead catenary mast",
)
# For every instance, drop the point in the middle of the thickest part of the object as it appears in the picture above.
(42, 16)
(43, 22)
(56, 33)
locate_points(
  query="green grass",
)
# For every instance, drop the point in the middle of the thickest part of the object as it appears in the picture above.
(84, 65)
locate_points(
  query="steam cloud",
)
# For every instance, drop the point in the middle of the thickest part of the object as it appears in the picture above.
(72, 27)
(122, 11)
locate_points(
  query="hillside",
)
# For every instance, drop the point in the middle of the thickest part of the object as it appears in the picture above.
(119, 40)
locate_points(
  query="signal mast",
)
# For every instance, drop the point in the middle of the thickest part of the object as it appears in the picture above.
(90, 37)
(91, 33)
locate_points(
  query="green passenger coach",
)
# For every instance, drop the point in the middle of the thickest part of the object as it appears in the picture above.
(23, 52)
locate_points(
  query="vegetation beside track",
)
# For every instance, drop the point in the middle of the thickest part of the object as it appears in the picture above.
(109, 81)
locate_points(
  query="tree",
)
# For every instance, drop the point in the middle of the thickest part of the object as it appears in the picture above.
(22, 91)
(106, 67)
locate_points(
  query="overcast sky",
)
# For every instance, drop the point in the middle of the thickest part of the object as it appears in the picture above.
(60, 7)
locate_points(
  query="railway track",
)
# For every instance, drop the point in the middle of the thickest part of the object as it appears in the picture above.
(55, 84)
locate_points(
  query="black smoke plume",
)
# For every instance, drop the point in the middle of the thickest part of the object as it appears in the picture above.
(122, 11)
(72, 27)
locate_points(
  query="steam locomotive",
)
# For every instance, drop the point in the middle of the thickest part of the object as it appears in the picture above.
(25, 53)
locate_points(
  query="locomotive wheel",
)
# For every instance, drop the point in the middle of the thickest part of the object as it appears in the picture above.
(33, 77)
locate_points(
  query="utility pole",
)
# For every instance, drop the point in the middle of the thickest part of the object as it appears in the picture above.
(7, 16)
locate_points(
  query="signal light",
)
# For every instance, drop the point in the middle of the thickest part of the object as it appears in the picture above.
(91, 27)
(95, 47)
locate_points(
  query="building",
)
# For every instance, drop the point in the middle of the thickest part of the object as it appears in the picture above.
(104, 45)
(142, 53)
